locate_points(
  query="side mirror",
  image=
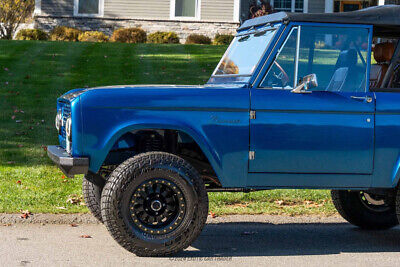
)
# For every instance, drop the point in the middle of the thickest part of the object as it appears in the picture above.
(307, 82)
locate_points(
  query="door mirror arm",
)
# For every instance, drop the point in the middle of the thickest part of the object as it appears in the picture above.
(307, 82)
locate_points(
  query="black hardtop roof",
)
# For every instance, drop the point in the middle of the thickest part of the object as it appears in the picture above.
(380, 16)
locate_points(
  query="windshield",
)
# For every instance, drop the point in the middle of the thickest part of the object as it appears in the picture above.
(244, 53)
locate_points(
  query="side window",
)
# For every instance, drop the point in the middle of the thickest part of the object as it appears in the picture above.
(281, 73)
(338, 57)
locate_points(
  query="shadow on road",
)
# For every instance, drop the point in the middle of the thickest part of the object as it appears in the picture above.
(264, 239)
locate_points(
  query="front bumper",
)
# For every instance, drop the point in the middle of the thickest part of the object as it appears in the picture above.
(68, 164)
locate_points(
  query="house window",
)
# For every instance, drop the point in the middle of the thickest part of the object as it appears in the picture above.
(88, 7)
(286, 5)
(185, 8)
(282, 5)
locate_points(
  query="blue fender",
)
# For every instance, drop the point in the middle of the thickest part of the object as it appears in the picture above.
(97, 159)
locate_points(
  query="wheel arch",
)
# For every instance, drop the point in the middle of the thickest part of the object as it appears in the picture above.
(97, 159)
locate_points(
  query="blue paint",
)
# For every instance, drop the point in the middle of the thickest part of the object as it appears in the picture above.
(316, 140)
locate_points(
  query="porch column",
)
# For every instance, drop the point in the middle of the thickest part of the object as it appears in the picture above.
(305, 6)
(293, 7)
(236, 10)
(328, 6)
(38, 7)
(381, 2)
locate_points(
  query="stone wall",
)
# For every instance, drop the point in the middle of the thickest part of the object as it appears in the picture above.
(108, 25)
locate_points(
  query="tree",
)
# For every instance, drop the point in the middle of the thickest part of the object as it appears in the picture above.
(12, 14)
(260, 8)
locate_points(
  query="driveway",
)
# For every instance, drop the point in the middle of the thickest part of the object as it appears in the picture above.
(230, 240)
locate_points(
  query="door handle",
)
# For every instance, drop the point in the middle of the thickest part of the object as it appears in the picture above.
(363, 98)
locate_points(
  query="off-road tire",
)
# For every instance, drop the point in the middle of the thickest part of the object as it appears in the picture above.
(92, 196)
(130, 176)
(350, 207)
(398, 203)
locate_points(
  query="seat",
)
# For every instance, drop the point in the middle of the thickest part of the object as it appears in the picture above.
(383, 53)
(347, 60)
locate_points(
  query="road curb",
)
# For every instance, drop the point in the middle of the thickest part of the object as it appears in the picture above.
(44, 218)
(86, 218)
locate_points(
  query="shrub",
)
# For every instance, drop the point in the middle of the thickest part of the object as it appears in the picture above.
(12, 14)
(223, 39)
(129, 35)
(93, 36)
(62, 33)
(163, 38)
(32, 34)
(198, 39)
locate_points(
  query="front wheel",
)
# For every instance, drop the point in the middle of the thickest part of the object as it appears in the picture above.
(154, 204)
(365, 210)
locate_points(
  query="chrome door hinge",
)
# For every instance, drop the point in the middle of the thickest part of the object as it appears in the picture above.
(252, 114)
(252, 155)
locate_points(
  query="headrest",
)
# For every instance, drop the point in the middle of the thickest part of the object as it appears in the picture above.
(347, 58)
(352, 57)
(383, 52)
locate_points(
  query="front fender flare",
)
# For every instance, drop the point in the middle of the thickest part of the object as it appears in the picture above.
(97, 157)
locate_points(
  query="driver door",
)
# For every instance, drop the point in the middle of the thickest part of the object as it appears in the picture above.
(329, 130)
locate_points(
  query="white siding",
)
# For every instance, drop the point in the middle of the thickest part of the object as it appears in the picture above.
(152, 9)
(217, 10)
(57, 7)
(316, 6)
(210, 10)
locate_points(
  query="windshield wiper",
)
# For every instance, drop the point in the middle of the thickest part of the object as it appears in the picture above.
(244, 38)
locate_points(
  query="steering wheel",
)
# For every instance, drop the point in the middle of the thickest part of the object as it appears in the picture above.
(282, 77)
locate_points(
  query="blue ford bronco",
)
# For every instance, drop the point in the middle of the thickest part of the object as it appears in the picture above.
(297, 101)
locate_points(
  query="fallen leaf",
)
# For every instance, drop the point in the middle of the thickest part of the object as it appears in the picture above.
(25, 214)
(212, 214)
(74, 199)
(18, 182)
(73, 225)
(286, 203)
(7, 224)
(86, 236)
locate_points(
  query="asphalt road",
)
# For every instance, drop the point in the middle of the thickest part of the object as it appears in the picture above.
(232, 240)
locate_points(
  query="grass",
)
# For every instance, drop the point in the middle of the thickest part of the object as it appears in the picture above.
(33, 74)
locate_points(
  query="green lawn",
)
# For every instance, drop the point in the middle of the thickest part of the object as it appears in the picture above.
(34, 74)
